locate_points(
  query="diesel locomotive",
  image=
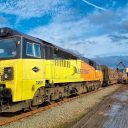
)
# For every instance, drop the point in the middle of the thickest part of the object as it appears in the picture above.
(33, 71)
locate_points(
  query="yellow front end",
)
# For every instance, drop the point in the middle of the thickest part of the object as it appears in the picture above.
(15, 84)
(25, 80)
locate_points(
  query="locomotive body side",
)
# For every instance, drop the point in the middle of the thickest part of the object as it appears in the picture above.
(41, 72)
(58, 73)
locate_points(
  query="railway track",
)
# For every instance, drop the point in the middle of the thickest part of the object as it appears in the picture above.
(9, 118)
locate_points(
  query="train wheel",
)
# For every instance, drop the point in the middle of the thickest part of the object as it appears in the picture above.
(88, 89)
(37, 100)
(93, 88)
(61, 96)
(33, 107)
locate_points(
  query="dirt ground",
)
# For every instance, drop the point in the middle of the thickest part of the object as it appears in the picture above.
(111, 113)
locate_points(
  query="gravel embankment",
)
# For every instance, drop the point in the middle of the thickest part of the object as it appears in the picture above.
(64, 114)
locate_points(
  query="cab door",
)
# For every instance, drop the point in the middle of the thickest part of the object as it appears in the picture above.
(33, 69)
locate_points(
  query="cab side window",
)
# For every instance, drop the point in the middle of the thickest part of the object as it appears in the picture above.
(33, 50)
(29, 49)
(37, 50)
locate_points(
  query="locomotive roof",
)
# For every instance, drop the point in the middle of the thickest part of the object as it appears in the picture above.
(6, 32)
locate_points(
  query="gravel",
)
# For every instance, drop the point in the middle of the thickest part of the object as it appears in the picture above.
(64, 114)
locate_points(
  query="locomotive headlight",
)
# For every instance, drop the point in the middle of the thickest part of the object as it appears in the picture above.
(8, 73)
(3, 32)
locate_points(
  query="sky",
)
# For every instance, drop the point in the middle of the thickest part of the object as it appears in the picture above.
(92, 28)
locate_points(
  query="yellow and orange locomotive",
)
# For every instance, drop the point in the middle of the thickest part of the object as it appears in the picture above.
(34, 71)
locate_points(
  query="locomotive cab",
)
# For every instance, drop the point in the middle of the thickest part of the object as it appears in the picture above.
(10, 51)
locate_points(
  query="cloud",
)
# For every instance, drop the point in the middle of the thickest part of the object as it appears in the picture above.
(116, 38)
(3, 22)
(111, 20)
(101, 45)
(61, 32)
(96, 34)
(95, 6)
(106, 46)
(30, 8)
